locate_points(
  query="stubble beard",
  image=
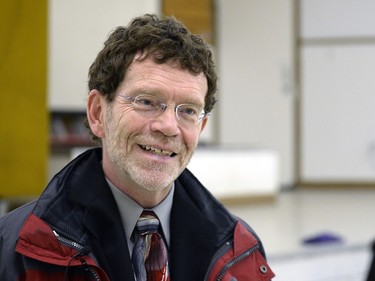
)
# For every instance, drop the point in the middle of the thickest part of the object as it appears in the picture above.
(150, 176)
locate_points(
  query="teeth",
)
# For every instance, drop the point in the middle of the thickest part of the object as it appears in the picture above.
(156, 150)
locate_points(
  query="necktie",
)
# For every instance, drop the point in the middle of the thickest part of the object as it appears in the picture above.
(150, 256)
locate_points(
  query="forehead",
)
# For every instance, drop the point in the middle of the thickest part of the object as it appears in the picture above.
(168, 78)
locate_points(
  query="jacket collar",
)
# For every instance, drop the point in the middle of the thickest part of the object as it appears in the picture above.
(196, 229)
(80, 205)
(101, 218)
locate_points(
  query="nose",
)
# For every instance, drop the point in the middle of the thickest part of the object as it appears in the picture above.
(166, 122)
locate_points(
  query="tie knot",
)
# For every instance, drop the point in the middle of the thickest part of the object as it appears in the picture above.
(147, 223)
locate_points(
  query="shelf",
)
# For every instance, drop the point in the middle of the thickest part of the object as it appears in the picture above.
(67, 130)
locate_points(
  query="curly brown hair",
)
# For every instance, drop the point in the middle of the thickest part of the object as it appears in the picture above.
(162, 39)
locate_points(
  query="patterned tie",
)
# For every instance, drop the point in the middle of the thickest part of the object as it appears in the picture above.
(150, 257)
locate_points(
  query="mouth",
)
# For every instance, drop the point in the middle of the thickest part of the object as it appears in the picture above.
(157, 151)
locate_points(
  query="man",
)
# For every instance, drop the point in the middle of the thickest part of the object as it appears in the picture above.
(151, 89)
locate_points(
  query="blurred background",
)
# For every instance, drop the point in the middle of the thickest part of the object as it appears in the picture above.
(290, 146)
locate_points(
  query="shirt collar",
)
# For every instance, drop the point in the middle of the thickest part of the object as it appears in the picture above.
(131, 210)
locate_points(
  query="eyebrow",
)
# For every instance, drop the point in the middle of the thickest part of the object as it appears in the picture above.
(157, 93)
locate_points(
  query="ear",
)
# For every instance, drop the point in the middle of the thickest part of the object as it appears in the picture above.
(95, 113)
(204, 123)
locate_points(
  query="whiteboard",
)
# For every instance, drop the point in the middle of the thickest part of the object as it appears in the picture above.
(338, 113)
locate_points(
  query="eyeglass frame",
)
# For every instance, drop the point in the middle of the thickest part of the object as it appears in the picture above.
(162, 105)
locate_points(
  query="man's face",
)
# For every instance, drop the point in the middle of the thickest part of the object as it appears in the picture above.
(151, 152)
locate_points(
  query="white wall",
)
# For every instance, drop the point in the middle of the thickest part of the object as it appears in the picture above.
(77, 31)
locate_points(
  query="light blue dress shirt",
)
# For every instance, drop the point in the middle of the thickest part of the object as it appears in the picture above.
(131, 210)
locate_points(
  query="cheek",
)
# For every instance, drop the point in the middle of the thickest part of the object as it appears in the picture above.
(126, 126)
(191, 139)
(120, 119)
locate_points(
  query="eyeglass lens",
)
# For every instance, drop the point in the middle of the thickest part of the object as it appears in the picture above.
(153, 106)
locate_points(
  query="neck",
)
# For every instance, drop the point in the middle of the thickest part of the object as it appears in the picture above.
(146, 198)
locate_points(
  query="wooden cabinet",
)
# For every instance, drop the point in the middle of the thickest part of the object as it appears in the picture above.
(23, 110)
(197, 15)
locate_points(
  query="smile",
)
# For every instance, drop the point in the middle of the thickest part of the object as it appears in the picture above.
(158, 151)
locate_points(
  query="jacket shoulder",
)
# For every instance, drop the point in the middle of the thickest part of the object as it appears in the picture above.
(242, 259)
(10, 225)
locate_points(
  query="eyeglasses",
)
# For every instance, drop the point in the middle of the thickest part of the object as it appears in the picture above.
(152, 106)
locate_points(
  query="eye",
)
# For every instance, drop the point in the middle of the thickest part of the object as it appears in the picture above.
(146, 102)
(188, 110)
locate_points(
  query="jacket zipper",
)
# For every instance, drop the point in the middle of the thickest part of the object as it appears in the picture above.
(226, 247)
(68, 242)
(235, 261)
(222, 250)
(90, 270)
(78, 247)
